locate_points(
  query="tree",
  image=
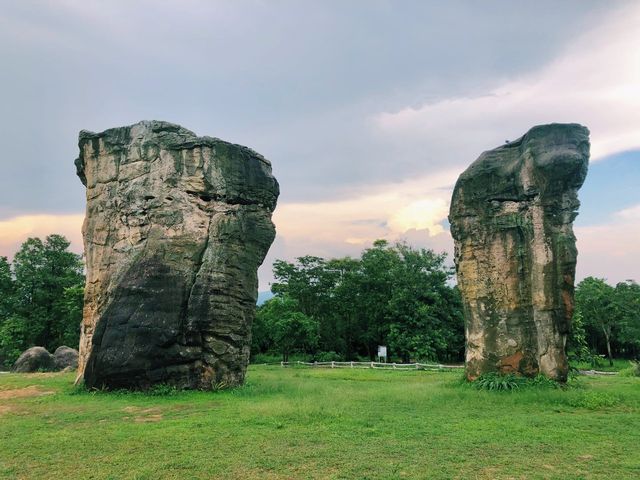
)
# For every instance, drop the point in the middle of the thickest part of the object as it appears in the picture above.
(375, 289)
(596, 307)
(627, 309)
(6, 280)
(6, 289)
(311, 283)
(342, 328)
(13, 340)
(577, 345)
(425, 314)
(11, 330)
(392, 294)
(46, 297)
(288, 329)
(308, 281)
(67, 331)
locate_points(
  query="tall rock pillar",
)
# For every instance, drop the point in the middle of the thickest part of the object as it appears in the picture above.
(511, 217)
(175, 229)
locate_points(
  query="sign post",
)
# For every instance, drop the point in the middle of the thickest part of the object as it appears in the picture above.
(382, 353)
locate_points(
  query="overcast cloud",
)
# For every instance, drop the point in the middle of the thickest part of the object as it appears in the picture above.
(368, 109)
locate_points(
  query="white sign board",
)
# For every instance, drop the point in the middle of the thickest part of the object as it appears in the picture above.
(382, 351)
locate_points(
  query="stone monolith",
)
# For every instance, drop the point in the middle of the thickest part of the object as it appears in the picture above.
(511, 219)
(176, 227)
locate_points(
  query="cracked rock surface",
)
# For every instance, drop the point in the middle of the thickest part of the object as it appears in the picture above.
(175, 229)
(511, 218)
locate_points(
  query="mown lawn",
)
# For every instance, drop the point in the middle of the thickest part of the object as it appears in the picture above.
(307, 423)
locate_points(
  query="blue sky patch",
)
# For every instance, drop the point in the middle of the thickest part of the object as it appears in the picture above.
(612, 185)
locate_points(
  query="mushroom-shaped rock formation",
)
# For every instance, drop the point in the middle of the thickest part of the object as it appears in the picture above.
(511, 218)
(176, 227)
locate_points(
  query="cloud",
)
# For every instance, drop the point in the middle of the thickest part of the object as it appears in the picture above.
(16, 230)
(368, 109)
(390, 211)
(412, 210)
(595, 81)
(629, 214)
(611, 249)
(297, 81)
(424, 214)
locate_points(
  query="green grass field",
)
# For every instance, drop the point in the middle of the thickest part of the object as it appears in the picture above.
(315, 423)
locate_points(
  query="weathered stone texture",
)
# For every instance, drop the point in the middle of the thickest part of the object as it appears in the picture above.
(34, 359)
(511, 218)
(38, 359)
(66, 358)
(175, 230)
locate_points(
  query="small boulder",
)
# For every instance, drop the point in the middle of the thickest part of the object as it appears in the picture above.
(35, 359)
(65, 358)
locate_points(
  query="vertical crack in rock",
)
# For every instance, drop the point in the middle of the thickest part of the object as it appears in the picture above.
(196, 271)
(199, 263)
(175, 229)
(511, 218)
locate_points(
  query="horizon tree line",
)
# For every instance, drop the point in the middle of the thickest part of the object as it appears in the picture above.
(323, 309)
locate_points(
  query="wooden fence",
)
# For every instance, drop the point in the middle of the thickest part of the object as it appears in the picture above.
(378, 365)
(400, 366)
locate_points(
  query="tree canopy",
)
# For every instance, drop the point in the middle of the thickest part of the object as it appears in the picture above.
(41, 295)
(608, 317)
(341, 308)
(392, 295)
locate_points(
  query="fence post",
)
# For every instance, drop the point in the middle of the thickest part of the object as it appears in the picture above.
(282, 363)
(333, 364)
(351, 364)
(315, 363)
(372, 365)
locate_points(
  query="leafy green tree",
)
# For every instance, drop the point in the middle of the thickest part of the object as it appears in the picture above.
(67, 329)
(595, 306)
(392, 294)
(425, 313)
(376, 284)
(606, 318)
(47, 300)
(13, 339)
(342, 327)
(627, 309)
(11, 329)
(577, 345)
(7, 288)
(288, 329)
(309, 281)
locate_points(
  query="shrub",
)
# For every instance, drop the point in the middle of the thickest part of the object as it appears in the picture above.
(498, 382)
(508, 382)
(542, 381)
(327, 357)
(632, 371)
(162, 390)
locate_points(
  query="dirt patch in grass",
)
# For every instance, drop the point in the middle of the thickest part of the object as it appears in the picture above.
(32, 391)
(143, 415)
(4, 409)
(149, 418)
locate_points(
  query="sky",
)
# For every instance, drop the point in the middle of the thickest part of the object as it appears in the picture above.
(367, 109)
